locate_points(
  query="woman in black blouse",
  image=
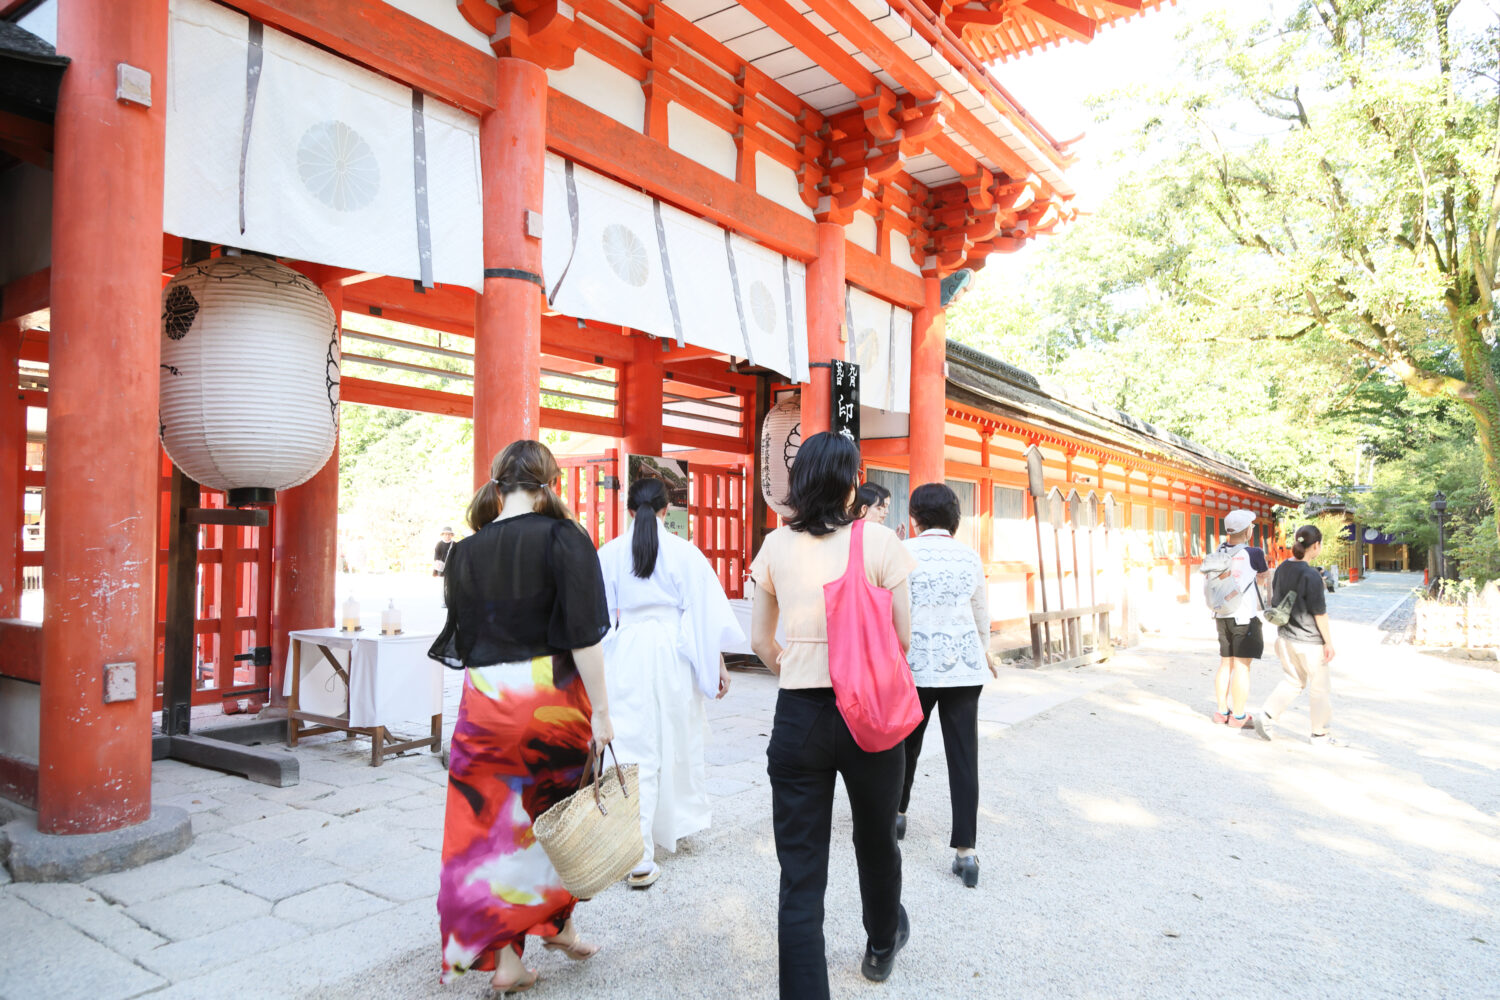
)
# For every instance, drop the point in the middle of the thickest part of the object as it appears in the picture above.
(526, 613)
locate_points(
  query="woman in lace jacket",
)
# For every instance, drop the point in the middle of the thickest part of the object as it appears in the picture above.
(950, 640)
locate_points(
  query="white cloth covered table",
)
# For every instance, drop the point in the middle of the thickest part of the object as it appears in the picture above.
(391, 678)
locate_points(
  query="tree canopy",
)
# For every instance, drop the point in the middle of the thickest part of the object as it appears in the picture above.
(1299, 266)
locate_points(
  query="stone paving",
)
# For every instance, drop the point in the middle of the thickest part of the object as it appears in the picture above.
(1130, 848)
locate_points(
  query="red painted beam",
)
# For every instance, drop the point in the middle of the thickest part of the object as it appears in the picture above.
(581, 423)
(563, 336)
(1063, 20)
(444, 307)
(21, 650)
(18, 780)
(388, 41)
(597, 141)
(405, 397)
(27, 294)
(882, 277)
(699, 439)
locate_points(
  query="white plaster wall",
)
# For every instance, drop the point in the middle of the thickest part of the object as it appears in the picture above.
(610, 91)
(861, 231)
(444, 16)
(26, 234)
(701, 141)
(20, 718)
(778, 182)
(901, 253)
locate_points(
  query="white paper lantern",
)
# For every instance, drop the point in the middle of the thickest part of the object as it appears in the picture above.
(780, 437)
(249, 376)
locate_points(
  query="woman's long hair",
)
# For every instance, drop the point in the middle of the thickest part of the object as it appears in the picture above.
(823, 473)
(869, 495)
(522, 465)
(1307, 536)
(647, 498)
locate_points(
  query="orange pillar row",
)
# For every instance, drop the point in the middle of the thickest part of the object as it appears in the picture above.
(508, 314)
(643, 400)
(102, 473)
(825, 326)
(928, 387)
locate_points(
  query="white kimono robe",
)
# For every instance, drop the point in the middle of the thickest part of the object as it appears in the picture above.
(661, 660)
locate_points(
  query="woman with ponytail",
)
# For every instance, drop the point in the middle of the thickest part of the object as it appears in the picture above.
(1304, 644)
(662, 660)
(526, 615)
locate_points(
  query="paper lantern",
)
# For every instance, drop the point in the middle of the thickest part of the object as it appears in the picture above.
(249, 376)
(780, 437)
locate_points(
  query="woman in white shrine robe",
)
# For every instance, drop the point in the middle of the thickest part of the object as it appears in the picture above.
(661, 660)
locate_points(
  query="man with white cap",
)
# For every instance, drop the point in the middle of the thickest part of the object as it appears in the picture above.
(1240, 638)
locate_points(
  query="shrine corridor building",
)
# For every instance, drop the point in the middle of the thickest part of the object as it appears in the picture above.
(655, 225)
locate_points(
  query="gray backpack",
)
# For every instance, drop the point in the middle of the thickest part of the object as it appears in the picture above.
(1220, 592)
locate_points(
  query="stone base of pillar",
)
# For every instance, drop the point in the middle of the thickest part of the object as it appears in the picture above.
(33, 856)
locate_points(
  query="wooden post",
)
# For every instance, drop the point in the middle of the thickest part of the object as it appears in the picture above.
(102, 475)
(642, 399)
(825, 327)
(12, 471)
(508, 314)
(928, 396)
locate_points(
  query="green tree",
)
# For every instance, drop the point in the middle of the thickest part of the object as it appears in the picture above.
(1348, 165)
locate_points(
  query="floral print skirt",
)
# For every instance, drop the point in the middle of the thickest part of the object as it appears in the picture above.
(519, 747)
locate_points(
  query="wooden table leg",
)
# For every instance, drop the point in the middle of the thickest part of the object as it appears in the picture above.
(294, 704)
(437, 733)
(377, 748)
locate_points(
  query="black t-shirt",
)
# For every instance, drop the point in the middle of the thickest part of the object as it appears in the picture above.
(519, 588)
(1294, 575)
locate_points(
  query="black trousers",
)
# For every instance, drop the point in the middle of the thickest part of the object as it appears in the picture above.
(809, 745)
(958, 707)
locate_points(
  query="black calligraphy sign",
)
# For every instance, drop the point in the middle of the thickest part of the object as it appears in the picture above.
(845, 399)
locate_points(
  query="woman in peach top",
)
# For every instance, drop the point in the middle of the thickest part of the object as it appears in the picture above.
(810, 743)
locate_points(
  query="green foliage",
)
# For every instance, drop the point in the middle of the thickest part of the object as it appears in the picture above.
(1299, 269)
(1336, 548)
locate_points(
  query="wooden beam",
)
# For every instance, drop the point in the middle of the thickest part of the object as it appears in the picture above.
(581, 423)
(1124, 8)
(1064, 20)
(390, 42)
(26, 139)
(701, 440)
(883, 278)
(405, 397)
(782, 18)
(561, 335)
(25, 295)
(597, 141)
(444, 307)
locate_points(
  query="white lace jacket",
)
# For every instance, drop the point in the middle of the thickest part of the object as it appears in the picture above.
(950, 614)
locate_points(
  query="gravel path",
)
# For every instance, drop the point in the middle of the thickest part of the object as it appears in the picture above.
(1130, 848)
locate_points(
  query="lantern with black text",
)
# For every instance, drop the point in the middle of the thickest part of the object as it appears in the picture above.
(249, 376)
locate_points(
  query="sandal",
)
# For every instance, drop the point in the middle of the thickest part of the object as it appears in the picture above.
(643, 879)
(578, 951)
(518, 986)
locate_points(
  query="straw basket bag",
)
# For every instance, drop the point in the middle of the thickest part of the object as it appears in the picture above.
(593, 836)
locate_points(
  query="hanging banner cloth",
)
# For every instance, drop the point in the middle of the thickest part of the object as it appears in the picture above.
(614, 254)
(279, 147)
(880, 340)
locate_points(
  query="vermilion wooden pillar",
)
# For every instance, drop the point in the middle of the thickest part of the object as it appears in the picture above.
(508, 315)
(102, 474)
(928, 395)
(643, 399)
(825, 326)
(12, 467)
(305, 551)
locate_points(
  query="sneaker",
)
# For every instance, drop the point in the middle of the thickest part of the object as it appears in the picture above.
(1220, 717)
(1326, 740)
(1245, 723)
(1261, 728)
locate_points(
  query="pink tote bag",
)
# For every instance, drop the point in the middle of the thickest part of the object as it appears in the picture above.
(871, 681)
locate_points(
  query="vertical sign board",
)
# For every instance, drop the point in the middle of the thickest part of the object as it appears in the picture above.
(674, 476)
(845, 397)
